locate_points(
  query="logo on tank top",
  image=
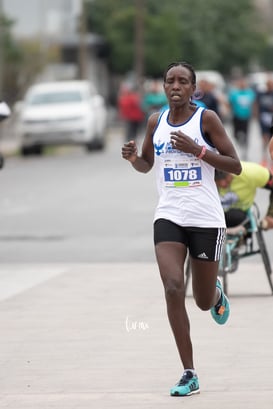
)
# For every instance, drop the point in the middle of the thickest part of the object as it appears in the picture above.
(167, 147)
(164, 147)
(159, 148)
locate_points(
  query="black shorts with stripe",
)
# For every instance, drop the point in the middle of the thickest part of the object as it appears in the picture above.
(203, 243)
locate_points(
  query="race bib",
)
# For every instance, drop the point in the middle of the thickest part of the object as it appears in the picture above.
(182, 172)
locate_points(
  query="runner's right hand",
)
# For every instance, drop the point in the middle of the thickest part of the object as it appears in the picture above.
(129, 151)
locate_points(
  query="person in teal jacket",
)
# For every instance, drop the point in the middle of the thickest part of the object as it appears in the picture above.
(241, 99)
(154, 99)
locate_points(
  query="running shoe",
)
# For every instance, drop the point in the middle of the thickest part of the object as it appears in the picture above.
(188, 385)
(220, 312)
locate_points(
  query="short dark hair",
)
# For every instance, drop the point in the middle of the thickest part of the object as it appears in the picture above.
(182, 64)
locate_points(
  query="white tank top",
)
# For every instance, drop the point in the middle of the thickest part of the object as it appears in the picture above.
(188, 195)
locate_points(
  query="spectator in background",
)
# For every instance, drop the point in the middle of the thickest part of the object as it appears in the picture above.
(205, 96)
(154, 99)
(264, 111)
(241, 99)
(130, 111)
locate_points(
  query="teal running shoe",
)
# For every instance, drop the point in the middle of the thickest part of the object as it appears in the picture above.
(220, 312)
(188, 385)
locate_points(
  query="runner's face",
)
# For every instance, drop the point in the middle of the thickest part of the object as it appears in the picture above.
(178, 85)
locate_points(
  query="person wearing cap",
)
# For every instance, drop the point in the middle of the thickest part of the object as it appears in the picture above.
(237, 192)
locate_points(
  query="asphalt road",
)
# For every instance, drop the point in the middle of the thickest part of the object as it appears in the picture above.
(95, 335)
(76, 207)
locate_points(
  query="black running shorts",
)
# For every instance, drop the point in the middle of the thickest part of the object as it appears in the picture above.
(203, 243)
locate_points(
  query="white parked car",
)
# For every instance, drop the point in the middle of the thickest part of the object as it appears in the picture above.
(62, 112)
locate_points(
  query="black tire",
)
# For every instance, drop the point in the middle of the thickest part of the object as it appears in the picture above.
(2, 161)
(31, 150)
(100, 145)
(37, 150)
(95, 145)
(265, 257)
(25, 150)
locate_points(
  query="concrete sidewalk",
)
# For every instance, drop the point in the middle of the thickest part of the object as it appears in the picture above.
(97, 336)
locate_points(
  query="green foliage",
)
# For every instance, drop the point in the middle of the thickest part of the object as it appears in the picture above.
(122, 40)
(10, 50)
(211, 34)
(220, 34)
(266, 57)
(11, 58)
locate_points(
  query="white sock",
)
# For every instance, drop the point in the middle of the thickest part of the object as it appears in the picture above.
(190, 370)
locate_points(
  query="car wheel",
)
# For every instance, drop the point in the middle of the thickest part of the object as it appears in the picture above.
(89, 146)
(2, 161)
(31, 150)
(25, 150)
(97, 144)
(37, 150)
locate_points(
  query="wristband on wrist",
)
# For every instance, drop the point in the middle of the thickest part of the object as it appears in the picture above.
(202, 153)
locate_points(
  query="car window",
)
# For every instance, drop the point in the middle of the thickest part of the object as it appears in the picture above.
(54, 97)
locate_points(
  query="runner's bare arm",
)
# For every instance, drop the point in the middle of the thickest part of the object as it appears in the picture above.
(226, 159)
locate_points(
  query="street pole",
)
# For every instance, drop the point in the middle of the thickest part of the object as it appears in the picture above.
(139, 42)
(82, 43)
